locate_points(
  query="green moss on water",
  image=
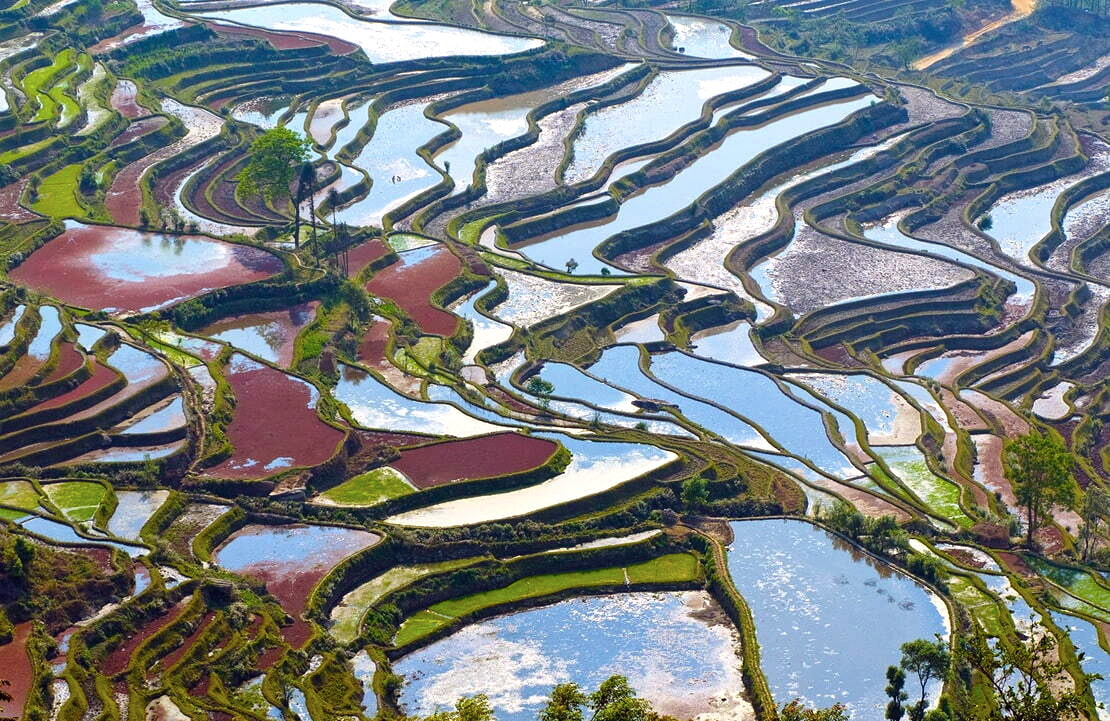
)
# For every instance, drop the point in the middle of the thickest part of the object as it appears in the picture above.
(1077, 582)
(940, 495)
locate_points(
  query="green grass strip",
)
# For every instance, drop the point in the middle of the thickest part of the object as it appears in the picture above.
(672, 568)
(348, 614)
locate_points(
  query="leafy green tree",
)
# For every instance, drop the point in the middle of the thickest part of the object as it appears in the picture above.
(695, 492)
(615, 700)
(929, 660)
(537, 386)
(797, 711)
(472, 708)
(566, 703)
(1096, 514)
(1039, 466)
(896, 680)
(275, 156)
(1021, 676)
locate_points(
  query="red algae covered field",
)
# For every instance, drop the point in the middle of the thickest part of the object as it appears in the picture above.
(124, 271)
(269, 406)
(470, 458)
(366, 253)
(291, 560)
(17, 669)
(410, 284)
(118, 659)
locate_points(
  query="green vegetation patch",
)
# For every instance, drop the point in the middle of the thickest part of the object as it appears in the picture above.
(405, 241)
(672, 568)
(979, 604)
(20, 494)
(1075, 581)
(57, 196)
(369, 488)
(347, 615)
(940, 495)
(78, 500)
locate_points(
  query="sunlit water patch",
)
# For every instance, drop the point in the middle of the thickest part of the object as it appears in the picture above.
(696, 178)
(374, 405)
(798, 428)
(382, 42)
(812, 595)
(670, 99)
(619, 366)
(594, 467)
(133, 511)
(676, 649)
(702, 38)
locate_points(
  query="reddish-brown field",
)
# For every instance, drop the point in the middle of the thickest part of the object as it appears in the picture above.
(124, 100)
(280, 41)
(366, 253)
(124, 270)
(10, 209)
(375, 343)
(275, 425)
(17, 669)
(482, 457)
(69, 360)
(178, 653)
(138, 129)
(101, 376)
(118, 659)
(410, 283)
(24, 369)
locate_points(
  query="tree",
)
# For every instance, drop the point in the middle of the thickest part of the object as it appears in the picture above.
(796, 711)
(1021, 676)
(473, 708)
(929, 660)
(274, 159)
(537, 386)
(695, 492)
(615, 700)
(1040, 469)
(572, 265)
(565, 704)
(896, 680)
(1095, 513)
(306, 182)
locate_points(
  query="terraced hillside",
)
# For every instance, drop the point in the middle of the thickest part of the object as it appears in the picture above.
(689, 342)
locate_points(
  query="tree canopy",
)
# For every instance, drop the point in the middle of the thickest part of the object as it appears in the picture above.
(275, 157)
(1039, 466)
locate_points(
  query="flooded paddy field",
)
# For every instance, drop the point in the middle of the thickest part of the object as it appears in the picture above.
(359, 357)
(676, 649)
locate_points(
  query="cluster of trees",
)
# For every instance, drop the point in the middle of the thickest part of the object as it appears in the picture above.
(614, 700)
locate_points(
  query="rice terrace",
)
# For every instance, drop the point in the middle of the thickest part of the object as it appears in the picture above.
(555, 360)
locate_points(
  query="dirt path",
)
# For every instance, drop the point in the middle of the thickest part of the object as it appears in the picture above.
(1022, 9)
